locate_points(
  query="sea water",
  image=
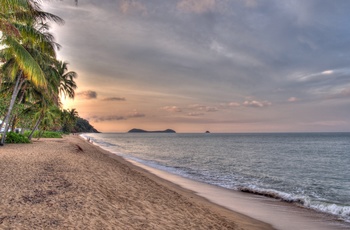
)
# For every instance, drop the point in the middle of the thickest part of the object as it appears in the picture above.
(311, 170)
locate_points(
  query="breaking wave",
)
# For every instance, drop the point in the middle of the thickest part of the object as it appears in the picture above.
(341, 211)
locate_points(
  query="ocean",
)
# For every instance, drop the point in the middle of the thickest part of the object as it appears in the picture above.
(311, 170)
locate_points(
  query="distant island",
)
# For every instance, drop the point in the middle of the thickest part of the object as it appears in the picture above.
(145, 131)
(207, 131)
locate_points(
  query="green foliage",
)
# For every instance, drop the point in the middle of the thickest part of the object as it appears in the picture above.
(29, 71)
(68, 119)
(4, 99)
(13, 137)
(45, 134)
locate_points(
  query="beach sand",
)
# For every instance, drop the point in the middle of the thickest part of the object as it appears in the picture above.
(71, 184)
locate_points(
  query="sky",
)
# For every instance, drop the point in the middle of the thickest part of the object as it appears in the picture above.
(217, 65)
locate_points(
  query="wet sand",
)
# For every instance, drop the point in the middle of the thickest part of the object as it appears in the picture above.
(281, 215)
(71, 184)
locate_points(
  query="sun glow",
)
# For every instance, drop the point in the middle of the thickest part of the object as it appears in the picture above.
(67, 103)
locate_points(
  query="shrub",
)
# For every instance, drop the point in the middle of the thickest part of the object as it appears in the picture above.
(51, 134)
(13, 137)
(45, 134)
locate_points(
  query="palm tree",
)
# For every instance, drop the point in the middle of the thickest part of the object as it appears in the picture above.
(27, 46)
(45, 111)
(7, 7)
(68, 119)
(47, 101)
(51, 118)
(67, 84)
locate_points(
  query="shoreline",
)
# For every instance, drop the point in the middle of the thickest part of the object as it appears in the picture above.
(70, 183)
(279, 214)
(285, 215)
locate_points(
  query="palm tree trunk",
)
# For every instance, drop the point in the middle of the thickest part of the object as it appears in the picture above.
(35, 127)
(14, 123)
(6, 120)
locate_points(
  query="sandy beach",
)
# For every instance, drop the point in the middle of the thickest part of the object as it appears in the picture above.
(71, 184)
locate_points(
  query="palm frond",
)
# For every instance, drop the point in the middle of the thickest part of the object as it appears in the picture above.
(41, 16)
(12, 5)
(43, 41)
(27, 63)
(8, 28)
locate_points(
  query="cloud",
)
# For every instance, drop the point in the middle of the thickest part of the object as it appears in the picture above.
(205, 108)
(196, 6)
(325, 84)
(256, 104)
(107, 118)
(116, 117)
(328, 123)
(324, 75)
(250, 3)
(327, 72)
(211, 109)
(243, 58)
(196, 107)
(234, 104)
(136, 115)
(88, 94)
(127, 6)
(249, 102)
(172, 109)
(114, 99)
(293, 99)
(210, 51)
(195, 114)
(315, 76)
(344, 93)
(220, 49)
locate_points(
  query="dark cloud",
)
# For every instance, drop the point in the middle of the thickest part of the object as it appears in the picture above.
(136, 115)
(107, 118)
(116, 117)
(114, 99)
(88, 94)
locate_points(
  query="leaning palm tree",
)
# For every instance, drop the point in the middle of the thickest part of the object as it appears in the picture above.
(17, 74)
(27, 43)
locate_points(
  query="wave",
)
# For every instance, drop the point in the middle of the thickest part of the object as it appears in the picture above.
(341, 211)
(338, 210)
(286, 197)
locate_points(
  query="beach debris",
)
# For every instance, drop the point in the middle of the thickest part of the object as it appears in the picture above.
(79, 149)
